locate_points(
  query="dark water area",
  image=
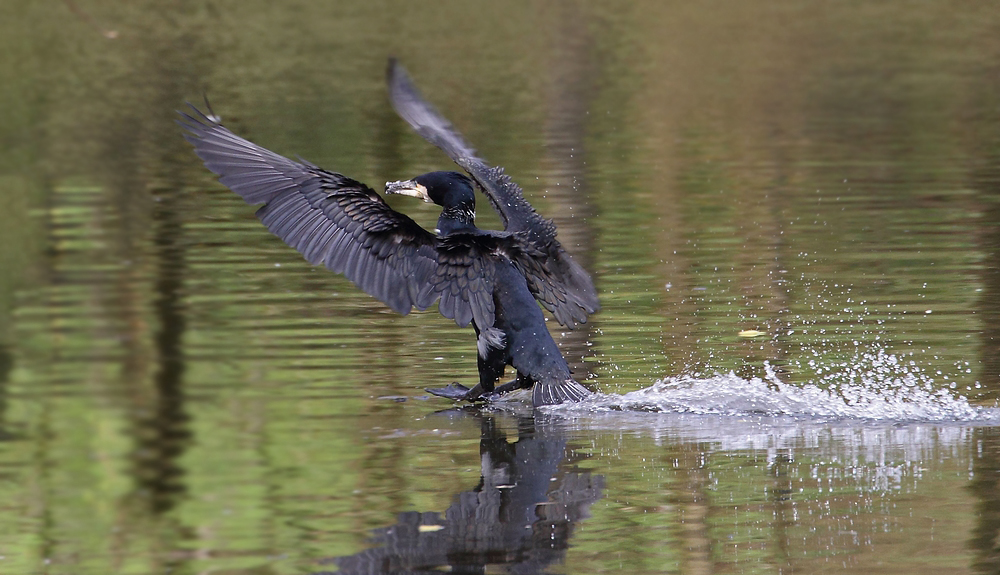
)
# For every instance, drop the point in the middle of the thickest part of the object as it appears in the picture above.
(791, 212)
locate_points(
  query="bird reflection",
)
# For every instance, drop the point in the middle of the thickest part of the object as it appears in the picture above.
(519, 518)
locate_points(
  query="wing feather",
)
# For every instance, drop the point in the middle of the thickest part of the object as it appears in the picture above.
(344, 225)
(559, 283)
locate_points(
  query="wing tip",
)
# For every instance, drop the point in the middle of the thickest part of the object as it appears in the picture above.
(398, 82)
(391, 66)
(196, 122)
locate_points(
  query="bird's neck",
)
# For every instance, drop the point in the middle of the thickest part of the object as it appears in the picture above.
(458, 218)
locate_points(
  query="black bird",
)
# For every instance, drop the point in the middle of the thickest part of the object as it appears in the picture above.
(488, 278)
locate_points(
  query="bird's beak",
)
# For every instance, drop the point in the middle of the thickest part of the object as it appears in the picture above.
(407, 188)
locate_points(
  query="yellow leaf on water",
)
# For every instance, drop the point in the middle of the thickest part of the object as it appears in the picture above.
(751, 333)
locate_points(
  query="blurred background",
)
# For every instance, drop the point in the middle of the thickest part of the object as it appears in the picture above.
(792, 209)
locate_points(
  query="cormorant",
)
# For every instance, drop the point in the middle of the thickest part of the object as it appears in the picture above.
(489, 278)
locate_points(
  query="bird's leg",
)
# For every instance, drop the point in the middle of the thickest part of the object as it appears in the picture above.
(481, 392)
(521, 382)
(507, 387)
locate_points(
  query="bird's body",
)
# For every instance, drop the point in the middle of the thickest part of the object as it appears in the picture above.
(529, 347)
(490, 279)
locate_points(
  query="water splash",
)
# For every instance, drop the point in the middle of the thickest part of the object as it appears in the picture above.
(884, 392)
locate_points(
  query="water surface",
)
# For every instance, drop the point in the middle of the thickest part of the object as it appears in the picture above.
(790, 212)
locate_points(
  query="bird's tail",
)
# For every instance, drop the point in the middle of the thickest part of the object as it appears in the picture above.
(559, 392)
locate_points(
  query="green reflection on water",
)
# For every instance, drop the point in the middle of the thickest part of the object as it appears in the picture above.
(178, 390)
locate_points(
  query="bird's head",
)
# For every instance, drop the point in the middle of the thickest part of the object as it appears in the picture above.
(446, 189)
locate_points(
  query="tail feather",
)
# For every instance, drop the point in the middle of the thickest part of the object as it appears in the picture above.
(559, 392)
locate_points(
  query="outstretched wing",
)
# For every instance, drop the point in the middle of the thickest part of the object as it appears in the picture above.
(344, 225)
(558, 282)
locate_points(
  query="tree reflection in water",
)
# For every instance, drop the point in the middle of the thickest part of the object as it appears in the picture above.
(520, 516)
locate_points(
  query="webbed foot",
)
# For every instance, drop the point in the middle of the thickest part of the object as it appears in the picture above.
(458, 392)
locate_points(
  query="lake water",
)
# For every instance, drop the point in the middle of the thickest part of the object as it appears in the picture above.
(791, 212)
